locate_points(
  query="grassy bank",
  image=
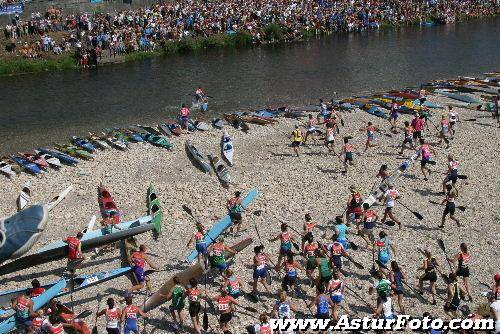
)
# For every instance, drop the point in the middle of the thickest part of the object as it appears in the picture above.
(23, 65)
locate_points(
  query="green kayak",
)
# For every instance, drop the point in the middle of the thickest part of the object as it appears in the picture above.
(74, 151)
(154, 208)
(157, 140)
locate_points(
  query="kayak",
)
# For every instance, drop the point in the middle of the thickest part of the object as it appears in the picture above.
(268, 113)
(173, 126)
(237, 122)
(74, 151)
(91, 240)
(195, 271)
(158, 140)
(155, 208)
(57, 199)
(220, 170)
(222, 225)
(76, 284)
(429, 104)
(165, 130)
(227, 148)
(118, 143)
(376, 111)
(218, 123)
(85, 144)
(65, 158)
(198, 157)
(26, 164)
(458, 97)
(39, 302)
(51, 160)
(150, 129)
(39, 161)
(255, 119)
(98, 141)
(24, 197)
(107, 204)
(201, 126)
(6, 169)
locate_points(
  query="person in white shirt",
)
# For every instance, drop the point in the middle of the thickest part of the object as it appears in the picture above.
(390, 197)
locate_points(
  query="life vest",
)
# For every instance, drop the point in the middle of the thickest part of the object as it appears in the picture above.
(463, 260)
(370, 216)
(454, 165)
(193, 294)
(335, 287)
(290, 269)
(22, 307)
(57, 329)
(370, 130)
(185, 112)
(426, 152)
(382, 245)
(323, 306)
(131, 312)
(356, 200)
(310, 226)
(392, 193)
(261, 260)
(337, 249)
(199, 237)
(37, 292)
(73, 244)
(38, 323)
(233, 284)
(139, 259)
(265, 329)
(284, 310)
(112, 317)
(234, 205)
(409, 131)
(330, 133)
(224, 304)
(218, 249)
(348, 148)
(310, 249)
(297, 135)
(199, 91)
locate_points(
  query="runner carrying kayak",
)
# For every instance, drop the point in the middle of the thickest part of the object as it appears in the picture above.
(178, 294)
(201, 245)
(290, 279)
(383, 246)
(408, 138)
(286, 240)
(369, 222)
(194, 295)
(335, 289)
(445, 131)
(23, 310)
(311, 129)
(130, 315)
(453, 118)
(309, 253)
(370, 135)
(225, 306)
(342, 230)
(390, 197)
(218, 254)
(113, 317)
(452, 172)
(426, 152)
(463, 260)
(449, 201)
(260, 269)
(184, 116)
(233, 284)
(308, 226)
(429, 267)
(138, 260)
(298, 138)
(323, 304)
(236, 208)
(397, 277)
(454, 296)
(348, 152)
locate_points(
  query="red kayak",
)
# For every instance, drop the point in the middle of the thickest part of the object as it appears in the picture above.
(41, 162)
(174, 127)
(406, 95)
(109, 210)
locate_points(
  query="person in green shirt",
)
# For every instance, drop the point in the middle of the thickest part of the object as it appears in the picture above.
(325, 268)
(177, 294)
(218, 254)
(382, 286)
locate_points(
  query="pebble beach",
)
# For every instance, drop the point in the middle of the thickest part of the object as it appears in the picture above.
(290, 187)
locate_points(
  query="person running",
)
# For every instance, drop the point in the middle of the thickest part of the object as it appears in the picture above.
(311, 129)
(283, 307)
(382, 285)
(418, 123)
(337, 251)
(201, 245)
(429, 267)
(454, 296)
(390, 197)
(496, 109)
(225, 306)
(369, 222)
(397, 277)
(335, 289)
(384, 309)
(263, 327)
(130, 315)
(178, 294)
(394, 117)
(408, 138)
(260, 269)
(348, 152)
(286, 242)
(444, 132)
(218, 254)
(139, 259)
(383, 172)
(449, 202)
(426, 152)
(452, 172)
(463, 259)
(323, 304)
(23, 310)
(308, 226)
(330, 137)
(309, 252)
(342, 231)
(354, 209)
(370, 135)
(194, 295)
(233, 284)
(298, 138)
(235, 208)
(324, 267)
(75, 255)
(453, 118)
(290, 279)
(184, 116)
(113, 317)
(383, 246)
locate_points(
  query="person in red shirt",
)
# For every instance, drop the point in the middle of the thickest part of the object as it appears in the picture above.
(75, 256)
(23, 310)
(370, 135)
(130, 315)
(225, 306)
(139, 259)
(184, 116)
(37, 289)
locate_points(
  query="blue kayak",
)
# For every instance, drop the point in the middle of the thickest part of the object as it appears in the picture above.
(85, 144)
(428, 104)
(39, 302)
(26, 164)
(377, 111)
(458, 97)
(270, 113)
(222, 225)
(21, 231)
(63, 157)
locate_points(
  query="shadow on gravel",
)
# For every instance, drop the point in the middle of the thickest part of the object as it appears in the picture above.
(328, 171)
(281, 154)
(423, 228)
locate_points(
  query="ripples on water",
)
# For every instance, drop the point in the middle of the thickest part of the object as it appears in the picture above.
(40, 109)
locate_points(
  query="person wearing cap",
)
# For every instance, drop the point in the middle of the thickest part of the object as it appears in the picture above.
(235, 207)
(390, 197)
(298, 138)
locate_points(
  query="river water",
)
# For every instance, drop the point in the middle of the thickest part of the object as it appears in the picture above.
(41, 109)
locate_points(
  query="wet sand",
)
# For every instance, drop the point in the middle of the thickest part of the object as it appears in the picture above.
(290, 187)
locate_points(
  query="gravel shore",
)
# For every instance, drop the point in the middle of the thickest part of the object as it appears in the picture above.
(290, 187)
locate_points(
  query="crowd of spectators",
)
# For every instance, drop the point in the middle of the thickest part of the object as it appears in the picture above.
(145, 29)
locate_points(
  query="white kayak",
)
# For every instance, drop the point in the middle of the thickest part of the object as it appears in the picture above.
(57, 199)
(6, 169)
(51, 160)
(24, 197)
(227, 148)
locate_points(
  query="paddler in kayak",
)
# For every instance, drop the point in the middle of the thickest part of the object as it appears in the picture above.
(75, 256)
(23, 311)
(139, 259)
(408, 137)
(311, 129)
(130, 317)
(218, 254)
(178, 294)
(348, 152)
(426, 152)
(390, 197)
(286, 243)
(235, 208)
(201, 245)
(451, 173)
(449, 205)
(370, 135)
(463, 260)
(260, 269)
(298, 138)
(184, 116)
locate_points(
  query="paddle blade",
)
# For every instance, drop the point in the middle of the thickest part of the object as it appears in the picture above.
(441, 245)
(358, 265)
(205, 321)
(389, 223)
(257, 212)
(353, 245)
(268, 278)
(418, 215)
(461, 208)
(431, 162)
(462, 177)
(187, 210)
(381, 265)
(296, 246)
(84, 314)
